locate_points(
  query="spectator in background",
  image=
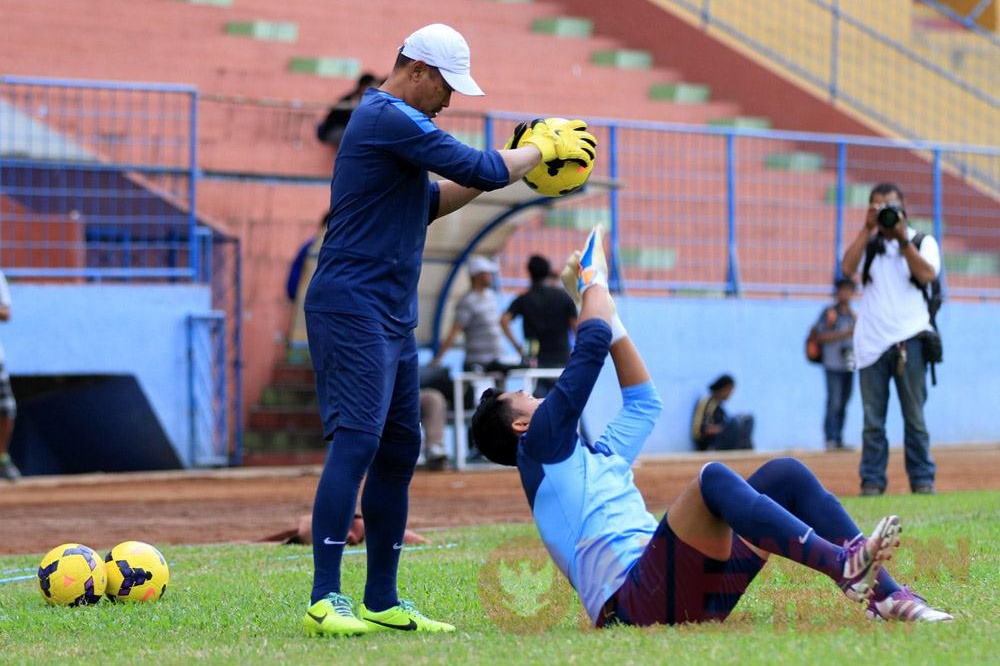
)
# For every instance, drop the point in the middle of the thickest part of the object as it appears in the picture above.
(433, 415)
(477, 317)
(548, 317)
(835, 333)
(712, 429)
(303, 265)
(8, 408)
(888, 337)
(332, 128)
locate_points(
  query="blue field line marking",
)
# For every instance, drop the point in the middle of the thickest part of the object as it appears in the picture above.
(16, 570)
(362, 551)
(359, 551)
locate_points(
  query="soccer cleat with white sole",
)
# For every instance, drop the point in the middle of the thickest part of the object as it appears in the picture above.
(404, 617)
(863, 558)
(333, 615)
(905, 605)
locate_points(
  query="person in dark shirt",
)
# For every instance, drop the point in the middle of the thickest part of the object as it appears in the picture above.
(712, 429)
(548, 317)
(332, 128)
(361, 309)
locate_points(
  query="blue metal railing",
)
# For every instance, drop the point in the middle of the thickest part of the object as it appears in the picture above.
(98, 181)
(782, 230)
(102, 175)
(207, 395)
(855, 62)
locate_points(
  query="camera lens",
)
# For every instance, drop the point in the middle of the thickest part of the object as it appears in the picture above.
(889, 216)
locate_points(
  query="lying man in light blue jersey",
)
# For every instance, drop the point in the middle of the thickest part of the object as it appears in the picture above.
(697, 562)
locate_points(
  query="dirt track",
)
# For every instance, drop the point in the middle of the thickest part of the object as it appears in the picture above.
(252, 503)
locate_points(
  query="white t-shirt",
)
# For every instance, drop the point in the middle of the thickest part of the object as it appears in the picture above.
(478, 315)
(4, 301)
(892, 308)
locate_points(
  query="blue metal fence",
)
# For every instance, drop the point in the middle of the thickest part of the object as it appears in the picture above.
(98, 182)
(919, 70)
(99, 179)
(759, 212)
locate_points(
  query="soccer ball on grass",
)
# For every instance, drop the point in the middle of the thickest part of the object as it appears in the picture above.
(136, 572)
(72, 574)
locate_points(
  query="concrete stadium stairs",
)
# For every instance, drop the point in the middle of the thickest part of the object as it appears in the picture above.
(284, 427)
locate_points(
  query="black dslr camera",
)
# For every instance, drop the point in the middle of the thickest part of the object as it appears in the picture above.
(890, 214)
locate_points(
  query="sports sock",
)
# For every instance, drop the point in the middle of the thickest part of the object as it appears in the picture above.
(385, 506)
(350, 455)
(765, 523)
(793, 486)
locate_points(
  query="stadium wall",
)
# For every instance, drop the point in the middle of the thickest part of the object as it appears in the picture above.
(687, 343)
(141, 331)
(112, 330)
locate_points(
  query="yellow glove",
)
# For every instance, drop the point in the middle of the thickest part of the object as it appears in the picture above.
(570, 274)
(516, 139)
(578, 128)
(593, 264)
(564, 145)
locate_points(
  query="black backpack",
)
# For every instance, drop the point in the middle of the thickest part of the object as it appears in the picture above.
(932, 293)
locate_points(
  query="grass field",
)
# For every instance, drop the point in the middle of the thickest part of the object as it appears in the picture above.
(243, 604)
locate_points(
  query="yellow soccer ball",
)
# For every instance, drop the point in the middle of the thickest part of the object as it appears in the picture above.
(136, 572)
(554, 180)
(72, 574)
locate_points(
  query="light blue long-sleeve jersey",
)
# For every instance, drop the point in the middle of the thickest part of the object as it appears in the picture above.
(588, 510)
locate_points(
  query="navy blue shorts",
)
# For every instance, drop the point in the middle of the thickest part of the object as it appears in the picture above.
(673, 583)
(367, 376)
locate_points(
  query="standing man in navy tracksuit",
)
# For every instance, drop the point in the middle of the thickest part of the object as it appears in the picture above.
(361, 310)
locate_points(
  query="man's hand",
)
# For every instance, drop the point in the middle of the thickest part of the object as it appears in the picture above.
(871, 217)
(593, 264)
(898, 230)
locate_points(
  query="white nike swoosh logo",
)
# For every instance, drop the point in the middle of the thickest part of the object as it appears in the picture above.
(802, 539)
(328, 541)
(397, 546)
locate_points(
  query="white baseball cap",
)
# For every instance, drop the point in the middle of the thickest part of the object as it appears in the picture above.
(480, 264)
(442, 46)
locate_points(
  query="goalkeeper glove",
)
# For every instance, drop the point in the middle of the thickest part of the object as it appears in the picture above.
(570, 274)
(578, 128)
(593, 264)
(564, 145)
(516, 139)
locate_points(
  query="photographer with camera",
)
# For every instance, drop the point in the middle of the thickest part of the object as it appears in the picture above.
(889, 337)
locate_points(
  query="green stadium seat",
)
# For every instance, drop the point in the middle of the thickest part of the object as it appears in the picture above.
(271, 31)
(742, 122)
(563, 26)
(856, 194)
(795, 161)
(343, 68)
(623, 58)
(657, 258)
(680, 93)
